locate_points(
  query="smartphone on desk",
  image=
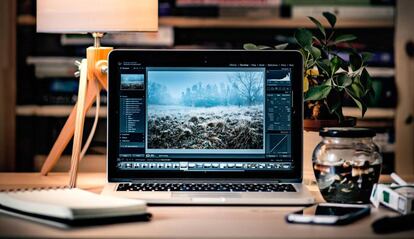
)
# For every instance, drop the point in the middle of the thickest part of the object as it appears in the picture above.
(329, 214)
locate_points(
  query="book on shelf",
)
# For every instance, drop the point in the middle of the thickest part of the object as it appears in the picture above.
(60, 91)
(229, 3)
(229, 8)
(53, 66)
(345, 12)
(47, 60)
(54, 70)
(58, 85)
(256, 12)
(163, 38)
(338, 2)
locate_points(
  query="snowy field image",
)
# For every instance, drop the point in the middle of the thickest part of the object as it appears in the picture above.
(205, 110)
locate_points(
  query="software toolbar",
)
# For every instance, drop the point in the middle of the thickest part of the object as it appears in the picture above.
(204, 166)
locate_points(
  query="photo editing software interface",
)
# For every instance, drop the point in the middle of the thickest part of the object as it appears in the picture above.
(226, 119)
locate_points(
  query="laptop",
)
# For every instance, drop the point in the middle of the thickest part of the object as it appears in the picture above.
(206, 127)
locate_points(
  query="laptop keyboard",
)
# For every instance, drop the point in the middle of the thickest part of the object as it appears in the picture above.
(206, 187)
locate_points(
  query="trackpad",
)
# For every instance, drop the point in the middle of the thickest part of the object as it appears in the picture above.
(211, 195)
(208, 200)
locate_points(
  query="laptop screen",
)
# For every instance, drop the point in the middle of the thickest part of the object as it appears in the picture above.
(230, 118)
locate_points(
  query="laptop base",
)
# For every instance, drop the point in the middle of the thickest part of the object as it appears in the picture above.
(302, 196)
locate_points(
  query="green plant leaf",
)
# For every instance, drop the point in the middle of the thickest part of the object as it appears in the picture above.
(324, 64)
(281, 46)
(314, 51)
(344, 64)
(344, 80)
(335, 64)
(345, 38)
(317, 40)
(318, 92)
(327, 82)
(250, 46)
(357, 88)
(359, 102)
(355, 60)
(365, 80)
(303, 37)
(263, 47)
(357, 94)
(360, 105)
(330, 17)
(366, 56)
(319, 25)
(333, 102)
(339, 114)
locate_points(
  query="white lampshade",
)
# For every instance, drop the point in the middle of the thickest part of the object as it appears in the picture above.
(81, 16)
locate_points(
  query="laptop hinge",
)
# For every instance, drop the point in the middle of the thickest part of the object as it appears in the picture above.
(206, 180)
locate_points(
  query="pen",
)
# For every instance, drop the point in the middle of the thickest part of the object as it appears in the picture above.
(394, 224)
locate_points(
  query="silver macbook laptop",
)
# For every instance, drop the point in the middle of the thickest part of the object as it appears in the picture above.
(206, 127)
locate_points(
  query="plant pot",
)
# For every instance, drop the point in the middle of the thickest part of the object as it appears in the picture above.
(311, 138)
(316, 125)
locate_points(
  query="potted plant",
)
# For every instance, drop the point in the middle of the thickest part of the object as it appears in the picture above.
(329, 79)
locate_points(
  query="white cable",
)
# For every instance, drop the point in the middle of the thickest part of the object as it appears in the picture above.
(95, 123)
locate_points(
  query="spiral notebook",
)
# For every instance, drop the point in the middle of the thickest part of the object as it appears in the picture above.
(71, 207)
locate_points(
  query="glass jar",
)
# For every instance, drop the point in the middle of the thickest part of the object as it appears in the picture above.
(347, 164)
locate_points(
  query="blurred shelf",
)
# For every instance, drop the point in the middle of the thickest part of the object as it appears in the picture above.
(383, 124)
(199, 22)
(54, 111)
(381, 72)
(372, 113)
(26, 20)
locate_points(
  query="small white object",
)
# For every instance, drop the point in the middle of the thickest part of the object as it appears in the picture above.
(398, 180)
(400, 199)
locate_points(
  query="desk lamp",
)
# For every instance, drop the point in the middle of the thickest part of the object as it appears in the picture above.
(96, 17)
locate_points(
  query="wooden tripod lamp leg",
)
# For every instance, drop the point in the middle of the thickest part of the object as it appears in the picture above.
(96, 60)
(69, 128)
(79, 123)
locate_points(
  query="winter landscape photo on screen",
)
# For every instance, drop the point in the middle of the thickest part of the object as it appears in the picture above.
(132, 81)
(190, 109)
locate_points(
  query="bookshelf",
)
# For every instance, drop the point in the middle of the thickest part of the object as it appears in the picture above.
(198, 22)
(189, 32)
(372, 113)
(194, 22)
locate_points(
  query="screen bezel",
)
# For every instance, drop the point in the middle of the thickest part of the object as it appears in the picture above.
(204, 58)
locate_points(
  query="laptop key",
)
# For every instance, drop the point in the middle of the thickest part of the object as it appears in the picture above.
(205, 187)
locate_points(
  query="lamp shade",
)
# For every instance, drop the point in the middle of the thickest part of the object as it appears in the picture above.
(82, 16)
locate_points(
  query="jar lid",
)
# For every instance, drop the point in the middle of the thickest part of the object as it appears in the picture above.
(347, 132)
